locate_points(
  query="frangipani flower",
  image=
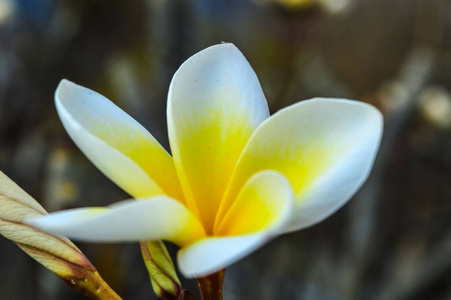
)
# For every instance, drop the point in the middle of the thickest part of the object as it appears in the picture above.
(236, 178)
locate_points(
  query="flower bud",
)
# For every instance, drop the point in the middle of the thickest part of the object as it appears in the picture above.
(161, 270)
(56, 253)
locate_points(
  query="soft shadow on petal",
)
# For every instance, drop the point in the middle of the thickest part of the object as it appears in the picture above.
(215, 102)
(149, 219)
(325, 147)
(118, 145)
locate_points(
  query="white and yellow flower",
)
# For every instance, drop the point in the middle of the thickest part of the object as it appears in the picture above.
(236, 178)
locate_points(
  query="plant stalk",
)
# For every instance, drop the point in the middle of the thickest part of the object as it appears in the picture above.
(211, 286)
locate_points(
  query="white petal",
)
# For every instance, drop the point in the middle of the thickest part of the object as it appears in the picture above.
(212, 254)
(148, 219)
(325, 147)
(215, 102)
(118, 145)
(333, 189)
(361, 133)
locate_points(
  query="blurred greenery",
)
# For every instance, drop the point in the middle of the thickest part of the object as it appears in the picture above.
(392, 241)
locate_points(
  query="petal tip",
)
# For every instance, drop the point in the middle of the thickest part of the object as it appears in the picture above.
(63, 86)
(36, 222)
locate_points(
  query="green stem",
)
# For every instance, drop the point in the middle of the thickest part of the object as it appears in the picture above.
(211, 286)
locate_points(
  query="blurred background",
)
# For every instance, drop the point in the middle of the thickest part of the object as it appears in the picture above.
(391, 241)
